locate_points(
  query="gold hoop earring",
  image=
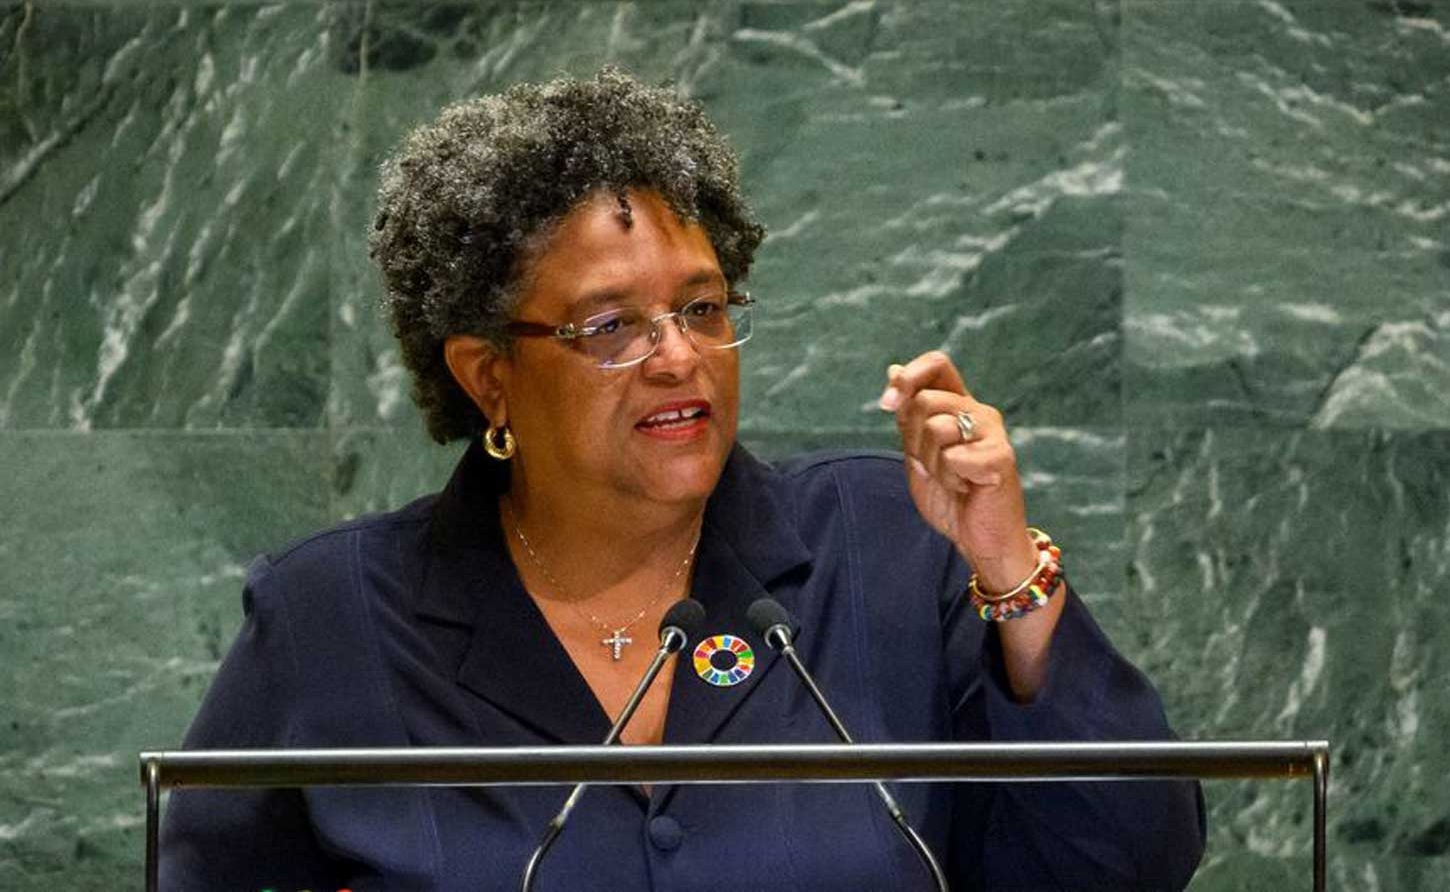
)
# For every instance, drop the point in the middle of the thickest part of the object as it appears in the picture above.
(501, 450)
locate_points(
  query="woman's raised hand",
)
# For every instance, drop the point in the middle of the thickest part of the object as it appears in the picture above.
(961, 468)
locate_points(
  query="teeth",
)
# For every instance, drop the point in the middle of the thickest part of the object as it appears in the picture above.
(675, 415)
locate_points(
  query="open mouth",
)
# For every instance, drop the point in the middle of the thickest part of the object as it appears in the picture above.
(676, 418)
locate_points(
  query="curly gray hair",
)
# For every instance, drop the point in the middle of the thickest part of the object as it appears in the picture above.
(464, 202)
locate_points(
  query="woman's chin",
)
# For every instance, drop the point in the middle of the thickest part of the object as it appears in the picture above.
(683, 475)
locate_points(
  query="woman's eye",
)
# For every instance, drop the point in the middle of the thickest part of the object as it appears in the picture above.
(703, 308)
(612, 323)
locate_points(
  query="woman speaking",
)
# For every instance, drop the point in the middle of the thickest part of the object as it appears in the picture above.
(564, 267)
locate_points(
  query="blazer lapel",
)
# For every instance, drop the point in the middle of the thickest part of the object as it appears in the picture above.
(723, 584)
(516, 663)
(747, 550)
(513, 659)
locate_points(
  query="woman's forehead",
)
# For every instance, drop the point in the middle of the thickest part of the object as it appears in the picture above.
(597, 255)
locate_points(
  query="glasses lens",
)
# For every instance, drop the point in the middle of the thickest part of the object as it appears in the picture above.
(706, 319)
(740, 324)
(715, 322)
(617, 336)
(625, 336)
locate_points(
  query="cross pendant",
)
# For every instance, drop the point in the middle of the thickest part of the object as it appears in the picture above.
(617, 641)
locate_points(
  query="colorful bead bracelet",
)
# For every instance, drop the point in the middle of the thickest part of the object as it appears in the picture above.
(1032, 593)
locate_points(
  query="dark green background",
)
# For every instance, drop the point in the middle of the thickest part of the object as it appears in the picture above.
(1198, 252)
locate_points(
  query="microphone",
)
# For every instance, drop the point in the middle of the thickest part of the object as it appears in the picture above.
(681, 623)
(775, 624)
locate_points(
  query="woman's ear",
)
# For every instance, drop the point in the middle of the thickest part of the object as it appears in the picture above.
(482, 370)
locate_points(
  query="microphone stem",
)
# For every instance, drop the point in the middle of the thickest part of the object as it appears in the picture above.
(918, 845)
(788, 650)
(667, 650)
(671, 641)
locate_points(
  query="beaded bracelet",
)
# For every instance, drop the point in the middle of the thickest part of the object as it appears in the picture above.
(1032, 593)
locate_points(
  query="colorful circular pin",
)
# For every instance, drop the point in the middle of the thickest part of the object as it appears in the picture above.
(724, 660)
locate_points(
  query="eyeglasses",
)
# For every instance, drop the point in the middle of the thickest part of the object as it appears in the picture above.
(625, 336)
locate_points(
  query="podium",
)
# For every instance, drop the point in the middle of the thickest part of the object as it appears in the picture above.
(914, 762)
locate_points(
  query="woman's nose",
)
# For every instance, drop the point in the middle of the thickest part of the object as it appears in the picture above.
(675, 343)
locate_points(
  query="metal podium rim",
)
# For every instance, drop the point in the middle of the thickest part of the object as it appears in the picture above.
(805, 763)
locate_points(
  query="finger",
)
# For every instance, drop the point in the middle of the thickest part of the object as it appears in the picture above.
(924, 433)
(913, 422)
(916, 467)
(932, 370)
(930, 430)
(977, 464)
(930, 418)
(891, 396)
(980, 462)
(934, 434)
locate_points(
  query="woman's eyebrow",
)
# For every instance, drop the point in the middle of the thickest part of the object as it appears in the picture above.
(705, 277)
(596, 300)
(592, 301)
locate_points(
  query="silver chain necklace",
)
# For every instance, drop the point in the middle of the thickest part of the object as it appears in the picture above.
(617, 640)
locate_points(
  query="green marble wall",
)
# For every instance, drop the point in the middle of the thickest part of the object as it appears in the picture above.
(1196, 249)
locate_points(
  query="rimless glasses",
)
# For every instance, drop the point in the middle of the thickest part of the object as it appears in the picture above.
(626, 336)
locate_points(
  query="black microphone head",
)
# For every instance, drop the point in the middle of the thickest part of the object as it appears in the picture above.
(767, 616)
(688, 616)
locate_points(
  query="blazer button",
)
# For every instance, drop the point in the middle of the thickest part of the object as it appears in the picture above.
(665, 833)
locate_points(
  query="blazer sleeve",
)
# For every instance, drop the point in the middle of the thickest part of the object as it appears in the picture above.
(246, 839)
(1098, 835)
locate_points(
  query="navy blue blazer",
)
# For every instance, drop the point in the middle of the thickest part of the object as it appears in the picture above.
(412, 629)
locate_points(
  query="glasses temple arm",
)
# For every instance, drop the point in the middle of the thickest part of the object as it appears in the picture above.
(521, 329)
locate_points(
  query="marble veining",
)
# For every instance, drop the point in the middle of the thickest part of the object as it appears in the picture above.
(1320, 127)
(1304, 569)
(1196, 250)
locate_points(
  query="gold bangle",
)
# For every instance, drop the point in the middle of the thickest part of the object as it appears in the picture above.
(1044, 557)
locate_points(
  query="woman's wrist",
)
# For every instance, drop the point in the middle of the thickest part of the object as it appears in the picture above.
(1031, 594)
(1006, 572)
